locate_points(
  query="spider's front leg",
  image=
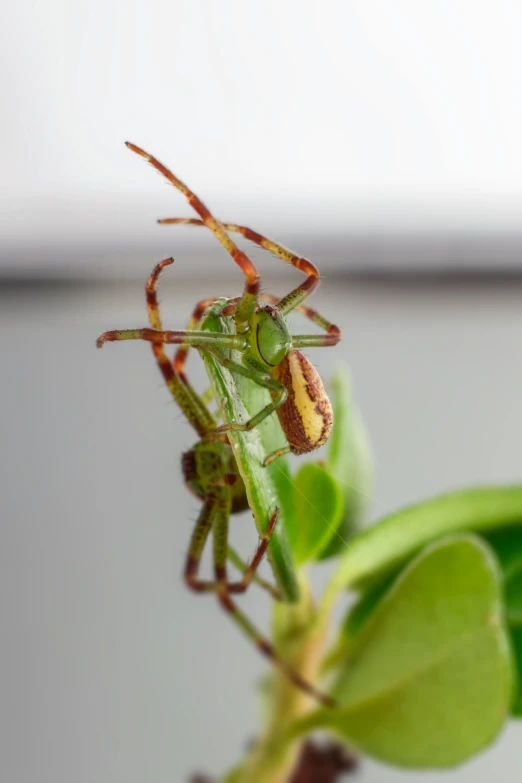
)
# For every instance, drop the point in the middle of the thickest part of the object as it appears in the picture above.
(168, 337)
(248, 301)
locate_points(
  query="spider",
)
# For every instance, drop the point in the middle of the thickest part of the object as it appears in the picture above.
(211, 473)
(269, 353)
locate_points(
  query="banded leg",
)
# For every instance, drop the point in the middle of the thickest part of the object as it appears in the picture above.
(280, 392)
(180, 356)
(228, 604)
(168, 337)
(249, 298)
(190, 403)
(250, 571)
(295, 297)
(212, 509)
(240, 564)
(196, 547)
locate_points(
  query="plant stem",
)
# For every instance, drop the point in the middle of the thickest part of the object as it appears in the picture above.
(300, 638)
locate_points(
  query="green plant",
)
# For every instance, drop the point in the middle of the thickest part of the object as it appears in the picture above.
(423, 670)
(424, 666)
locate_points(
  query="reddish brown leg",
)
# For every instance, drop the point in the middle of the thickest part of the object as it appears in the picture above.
(246, 309)
(250, 573)
(240, 564)
(189, 402)
(295, 297)
(207, 517)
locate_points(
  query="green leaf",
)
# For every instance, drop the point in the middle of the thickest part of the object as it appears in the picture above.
(384, 547)
(362, 610)
(507, 545)
(348, 461)
(513, 597)
(515, 632)
(356, 619)
(508, 548)
(429, 680)
(238, 399)
(318, 504)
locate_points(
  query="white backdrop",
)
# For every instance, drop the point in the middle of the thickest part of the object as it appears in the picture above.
(301, 117)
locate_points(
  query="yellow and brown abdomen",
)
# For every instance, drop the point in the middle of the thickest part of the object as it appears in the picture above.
(306, 416)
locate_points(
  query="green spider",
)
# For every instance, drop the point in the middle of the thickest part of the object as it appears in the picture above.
(269, 353)
(211, 473)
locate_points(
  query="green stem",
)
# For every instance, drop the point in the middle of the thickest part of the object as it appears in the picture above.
(300, 638)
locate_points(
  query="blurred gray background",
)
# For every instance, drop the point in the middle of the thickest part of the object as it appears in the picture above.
(381, 140)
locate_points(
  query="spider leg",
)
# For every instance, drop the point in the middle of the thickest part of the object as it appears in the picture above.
(249, 571)
(214, 508)
(277, 389)
(228, 604)
(168, 337)
(249, 299)
(197, 544)
(189, 401)
(180, 357)
(240, 564)
(295, 297)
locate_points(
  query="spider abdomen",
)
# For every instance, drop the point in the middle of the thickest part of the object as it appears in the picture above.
(306, 416)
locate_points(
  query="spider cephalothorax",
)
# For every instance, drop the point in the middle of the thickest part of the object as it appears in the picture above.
(269, 338)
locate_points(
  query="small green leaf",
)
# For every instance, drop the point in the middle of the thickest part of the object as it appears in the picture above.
(348, 461)
(391, 542)
(318, 504)
(428, 682)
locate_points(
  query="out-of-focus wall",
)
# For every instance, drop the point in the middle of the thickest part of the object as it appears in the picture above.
(336, 121)
(112, 671)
